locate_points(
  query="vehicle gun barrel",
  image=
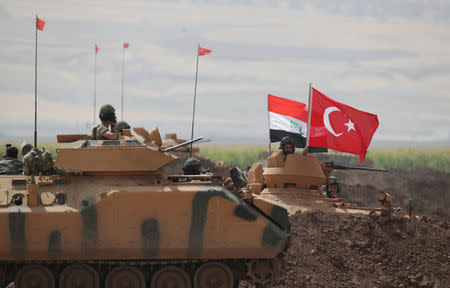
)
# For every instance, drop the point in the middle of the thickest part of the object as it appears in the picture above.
(182, 144)
(347, 167)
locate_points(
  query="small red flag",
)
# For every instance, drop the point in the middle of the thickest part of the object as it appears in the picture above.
(96, 48)
(40, 24)
(203, 51)
(340, 127)
(125, 45)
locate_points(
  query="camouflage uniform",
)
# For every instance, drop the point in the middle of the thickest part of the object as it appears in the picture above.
(11, 166)
(107, 114)
(98, 132)
(38, 161)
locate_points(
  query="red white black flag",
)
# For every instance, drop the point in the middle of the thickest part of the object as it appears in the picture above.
(287, 118)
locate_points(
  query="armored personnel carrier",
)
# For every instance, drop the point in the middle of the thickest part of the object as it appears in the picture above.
(110, 219)
(295, 183)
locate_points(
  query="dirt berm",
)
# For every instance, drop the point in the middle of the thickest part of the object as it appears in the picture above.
(343, 250)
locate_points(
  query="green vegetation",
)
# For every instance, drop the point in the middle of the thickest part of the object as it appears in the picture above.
(51, 146)
(408, 158)
(245, 155)
(390, 158)
(242, 155)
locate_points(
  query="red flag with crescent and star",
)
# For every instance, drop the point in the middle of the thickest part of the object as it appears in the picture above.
(203, 51)
(96, 49)
(340, 127)
(126, 45)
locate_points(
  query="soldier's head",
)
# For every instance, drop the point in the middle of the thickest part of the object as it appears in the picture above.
(25, 148)
(107, 114)
(192, 166)
(287, 145)
(120, 126)
(333, 187)
(12, 152)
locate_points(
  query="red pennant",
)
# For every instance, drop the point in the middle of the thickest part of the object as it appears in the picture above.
(203, 51)
(126, 45)
(96, 48)
(40, 24)
(340, 127)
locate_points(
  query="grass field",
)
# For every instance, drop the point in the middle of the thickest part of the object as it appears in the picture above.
(390, 158)
(245, 155)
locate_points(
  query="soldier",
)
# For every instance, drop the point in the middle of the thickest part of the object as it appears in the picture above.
(332, 188)
(108, 117)
(11, 165)
(192, 166)
(25, 148)
(38, 161)
(278, 157)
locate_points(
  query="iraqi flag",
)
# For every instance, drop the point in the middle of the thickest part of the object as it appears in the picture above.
(287, 118)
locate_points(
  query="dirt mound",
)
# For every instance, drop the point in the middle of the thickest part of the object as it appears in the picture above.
(428, 188)
(346, 250)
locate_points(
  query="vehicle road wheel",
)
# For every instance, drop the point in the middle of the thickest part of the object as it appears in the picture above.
(125, 277)
(79, 276)
(35, 276)
(213, 275)
(171, 277)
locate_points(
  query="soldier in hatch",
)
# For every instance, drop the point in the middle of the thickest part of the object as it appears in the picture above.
(25, 148)
(332, 188)
(11, 165)
(192, 166)
(104, 131)
(278, 157)
(38, 162)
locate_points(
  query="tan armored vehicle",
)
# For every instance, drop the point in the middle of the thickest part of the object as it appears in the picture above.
(110, 219)
(294, 182)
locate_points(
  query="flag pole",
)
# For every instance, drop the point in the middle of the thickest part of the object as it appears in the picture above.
(195, 94)
(123, 71)
(95, 82)
(268, 121)
(35, 89)
(309, 115)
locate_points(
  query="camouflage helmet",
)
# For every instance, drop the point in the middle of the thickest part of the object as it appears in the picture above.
(25, 145)
(192, 166)
(287, 140)
(122, 125)
(107, 113)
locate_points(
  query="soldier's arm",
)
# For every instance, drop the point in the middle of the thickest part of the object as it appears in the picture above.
(103, 133)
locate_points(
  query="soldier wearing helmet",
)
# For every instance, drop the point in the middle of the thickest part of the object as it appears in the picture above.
(287, 145)
(103, 131)
(25, 148)
(278, 157)
(192, 166)
(332, 188)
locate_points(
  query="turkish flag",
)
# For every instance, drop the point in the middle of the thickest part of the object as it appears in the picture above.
(40, 24)
(203, 51)
(96, 48)
(340, 127)
(125, 45)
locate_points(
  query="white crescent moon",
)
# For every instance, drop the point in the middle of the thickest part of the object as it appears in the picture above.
(326, 120)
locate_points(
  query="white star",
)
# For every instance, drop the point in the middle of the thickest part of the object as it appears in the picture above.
(350, 125)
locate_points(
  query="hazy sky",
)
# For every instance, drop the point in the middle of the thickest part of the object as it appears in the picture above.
(391, 58)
